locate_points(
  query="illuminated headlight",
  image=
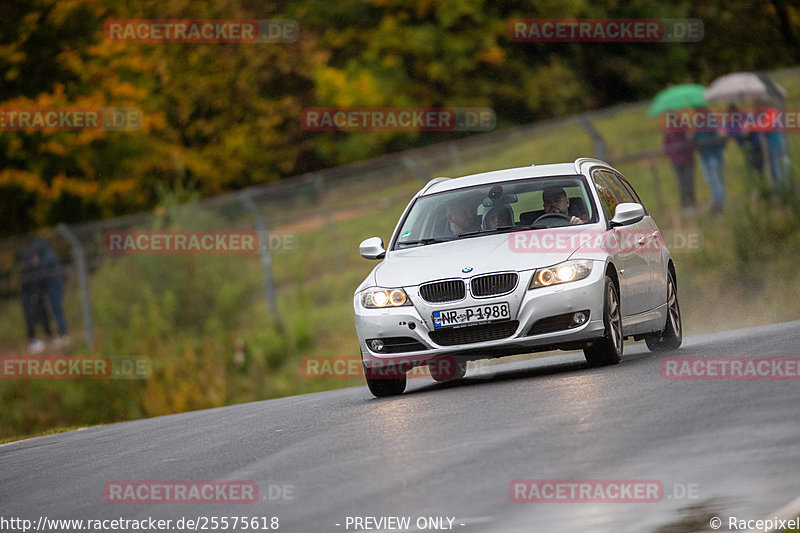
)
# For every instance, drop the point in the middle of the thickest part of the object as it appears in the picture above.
(561, 273)
(380, 298)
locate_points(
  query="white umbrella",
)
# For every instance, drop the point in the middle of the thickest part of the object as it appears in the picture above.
(738, 87)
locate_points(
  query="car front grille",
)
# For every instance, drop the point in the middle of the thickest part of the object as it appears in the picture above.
(473, 334)
(443, 291)
(493, 284)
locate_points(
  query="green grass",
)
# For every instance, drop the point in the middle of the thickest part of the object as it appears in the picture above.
(187, 312)
(52, 431)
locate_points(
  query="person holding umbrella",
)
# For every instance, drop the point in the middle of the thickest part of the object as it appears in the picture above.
(757, 88)
(750, 143)
(676, 143)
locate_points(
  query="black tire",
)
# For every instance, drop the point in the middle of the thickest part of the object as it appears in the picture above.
(607, 350)
(448, 368)
(382, 383)
(672, 335)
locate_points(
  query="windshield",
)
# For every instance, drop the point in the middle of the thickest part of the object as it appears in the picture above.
(535, 203)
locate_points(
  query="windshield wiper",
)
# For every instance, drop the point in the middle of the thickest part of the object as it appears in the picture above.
(430, 240)
(500, 229)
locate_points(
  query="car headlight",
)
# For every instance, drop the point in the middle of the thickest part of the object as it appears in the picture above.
(381, 298)
(561, 273)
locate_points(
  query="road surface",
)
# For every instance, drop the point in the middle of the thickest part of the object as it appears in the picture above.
(717, 448)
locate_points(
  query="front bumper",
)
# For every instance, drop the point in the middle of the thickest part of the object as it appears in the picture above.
(414, 324)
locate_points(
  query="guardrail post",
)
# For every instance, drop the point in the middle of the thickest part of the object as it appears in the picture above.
(79, 257)
(597, 137)
(455, 157)
(656, 185)
(333, 229)
(266, 257)
(418, 170)
(319, 186)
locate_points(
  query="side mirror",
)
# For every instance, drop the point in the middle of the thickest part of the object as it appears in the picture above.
(627, 213)
(372, 248)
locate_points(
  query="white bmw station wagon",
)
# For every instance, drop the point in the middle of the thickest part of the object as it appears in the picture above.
(559, 256)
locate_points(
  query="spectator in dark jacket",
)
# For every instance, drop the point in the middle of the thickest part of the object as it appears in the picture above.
(33, 299)
(749, 141)
(43, 286)
(680, 152)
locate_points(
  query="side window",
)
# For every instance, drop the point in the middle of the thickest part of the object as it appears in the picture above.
(630, 189)
(620, 191)
(607, 197)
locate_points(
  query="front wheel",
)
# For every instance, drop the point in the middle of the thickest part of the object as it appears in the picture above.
(672, 335)
(608, 349)
(385, 381)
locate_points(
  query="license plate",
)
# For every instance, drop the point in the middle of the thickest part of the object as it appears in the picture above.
(469, 316)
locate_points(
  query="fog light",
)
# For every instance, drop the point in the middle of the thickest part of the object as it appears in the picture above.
(579, 318)
(376, 345)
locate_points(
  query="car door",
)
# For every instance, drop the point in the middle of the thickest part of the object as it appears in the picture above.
(632, 265)
(653, 249)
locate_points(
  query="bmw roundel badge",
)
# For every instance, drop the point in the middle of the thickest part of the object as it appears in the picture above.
(466, 269)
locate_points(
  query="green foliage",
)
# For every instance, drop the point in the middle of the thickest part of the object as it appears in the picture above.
(220, 117)
(188, 313)
(765, 227)
(224, 116)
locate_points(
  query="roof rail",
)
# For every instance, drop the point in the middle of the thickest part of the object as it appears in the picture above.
(434, 181)
(584, 160)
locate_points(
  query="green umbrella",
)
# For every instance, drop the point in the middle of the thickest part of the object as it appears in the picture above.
(678, 97)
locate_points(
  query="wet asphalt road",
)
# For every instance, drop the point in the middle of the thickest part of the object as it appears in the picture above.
(724, 448)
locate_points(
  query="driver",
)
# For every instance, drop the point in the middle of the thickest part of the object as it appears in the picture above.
(554, 200)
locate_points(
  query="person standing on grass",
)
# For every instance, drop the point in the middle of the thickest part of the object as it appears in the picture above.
(750, 143)
(776, 152)
(680, 152)
(711, 146)
(42, 282)
(33, 300)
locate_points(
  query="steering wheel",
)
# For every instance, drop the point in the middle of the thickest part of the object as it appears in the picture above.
(555, 217)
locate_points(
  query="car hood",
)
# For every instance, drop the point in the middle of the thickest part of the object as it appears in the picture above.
(484, 254)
